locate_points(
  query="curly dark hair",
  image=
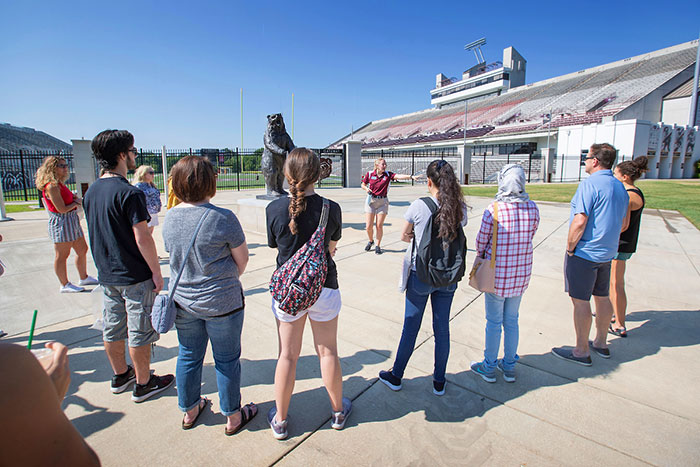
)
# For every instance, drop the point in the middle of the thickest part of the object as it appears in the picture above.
(302, 168)
(107, 146)
(634, 168)
(450, 197)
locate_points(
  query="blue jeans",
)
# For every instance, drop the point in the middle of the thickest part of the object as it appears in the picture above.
(417, 294)
(503, 312)
(225, 335)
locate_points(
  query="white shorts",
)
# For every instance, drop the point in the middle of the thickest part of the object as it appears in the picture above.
(326, 308)
(154, 220)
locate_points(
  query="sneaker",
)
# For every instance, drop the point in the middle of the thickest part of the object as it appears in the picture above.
(439, 388)
(378, 250)
(155, 385)
(568, 354)
(369, 246)
(508, 375)
(602, 352)
(121, 382)
(388, 378)
(478, 368)
(338, 419)
(2, 333)
(279, 429)
(89, 280)
(70, 288)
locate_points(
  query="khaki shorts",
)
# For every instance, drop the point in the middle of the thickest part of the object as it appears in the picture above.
(377, 205)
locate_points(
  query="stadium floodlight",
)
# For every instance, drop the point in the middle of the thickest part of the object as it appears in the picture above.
(476, 48)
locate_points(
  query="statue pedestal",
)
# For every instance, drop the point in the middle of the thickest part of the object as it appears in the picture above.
(251, 213)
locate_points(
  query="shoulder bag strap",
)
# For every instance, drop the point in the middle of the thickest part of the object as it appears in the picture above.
(495, 235)
(323, 221)
(184, 259)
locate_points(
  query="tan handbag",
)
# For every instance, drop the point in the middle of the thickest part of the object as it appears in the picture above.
(483, 274)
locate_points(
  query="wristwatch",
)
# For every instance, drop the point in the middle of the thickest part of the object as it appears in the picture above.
(570, 252)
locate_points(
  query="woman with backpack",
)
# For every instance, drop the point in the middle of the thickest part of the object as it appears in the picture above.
(452, 215)
(291, 223)
(517, 219)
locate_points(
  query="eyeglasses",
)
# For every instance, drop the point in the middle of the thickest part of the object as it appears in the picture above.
(134, 151)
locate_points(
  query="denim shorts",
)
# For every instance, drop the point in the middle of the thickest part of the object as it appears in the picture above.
(127, 313)
(326, 308)
(584, 278)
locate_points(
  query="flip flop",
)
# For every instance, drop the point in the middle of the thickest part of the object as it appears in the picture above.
(622, 332)
(245, 418)
(190, 425)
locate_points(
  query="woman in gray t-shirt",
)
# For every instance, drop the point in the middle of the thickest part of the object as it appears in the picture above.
(209, 296)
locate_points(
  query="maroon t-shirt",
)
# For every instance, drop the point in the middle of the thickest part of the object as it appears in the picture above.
(378, 186)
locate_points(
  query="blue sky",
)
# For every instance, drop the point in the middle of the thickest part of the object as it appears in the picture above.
(171, 72)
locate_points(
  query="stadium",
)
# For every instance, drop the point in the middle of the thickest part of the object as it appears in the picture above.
(489, 117)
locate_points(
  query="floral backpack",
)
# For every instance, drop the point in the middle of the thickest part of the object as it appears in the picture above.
(297, 284)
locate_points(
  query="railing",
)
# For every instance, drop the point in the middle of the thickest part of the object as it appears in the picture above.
(238, 169)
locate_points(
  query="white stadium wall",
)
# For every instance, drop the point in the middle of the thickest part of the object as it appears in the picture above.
(671, 149)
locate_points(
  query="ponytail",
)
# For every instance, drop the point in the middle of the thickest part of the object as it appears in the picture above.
(302, 168)
(450, 197)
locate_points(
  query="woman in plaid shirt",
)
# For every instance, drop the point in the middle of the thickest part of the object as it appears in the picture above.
(518, 219)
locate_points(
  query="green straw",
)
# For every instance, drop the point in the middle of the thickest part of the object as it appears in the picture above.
(31, 331)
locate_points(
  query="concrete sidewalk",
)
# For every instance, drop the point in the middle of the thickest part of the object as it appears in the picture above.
(639, 407)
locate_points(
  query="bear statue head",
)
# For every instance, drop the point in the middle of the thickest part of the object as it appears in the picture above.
(275, 123)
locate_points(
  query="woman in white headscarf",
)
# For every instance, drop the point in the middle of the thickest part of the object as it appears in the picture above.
(517, 219)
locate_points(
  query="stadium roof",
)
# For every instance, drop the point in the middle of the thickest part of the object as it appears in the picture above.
(582, 97)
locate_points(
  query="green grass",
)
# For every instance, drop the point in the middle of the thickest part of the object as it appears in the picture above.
(25, 207)
(676, 195)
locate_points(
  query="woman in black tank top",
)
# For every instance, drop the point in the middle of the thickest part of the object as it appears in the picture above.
(627, 172)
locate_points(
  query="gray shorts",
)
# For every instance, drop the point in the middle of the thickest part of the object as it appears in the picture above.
(376, 205)
(127, 313)
(583, 278)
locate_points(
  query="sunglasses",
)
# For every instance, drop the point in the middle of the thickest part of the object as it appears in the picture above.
(134, 151)
(62, 166)
(151, 172)
(589, 157)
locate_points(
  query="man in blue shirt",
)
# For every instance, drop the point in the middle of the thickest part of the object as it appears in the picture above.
(599, 212)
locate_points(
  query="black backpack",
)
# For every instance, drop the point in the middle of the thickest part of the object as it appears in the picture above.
(436, 265)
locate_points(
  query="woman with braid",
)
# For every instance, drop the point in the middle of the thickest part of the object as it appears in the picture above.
(291, 221)
(627, 172)
(452, 215)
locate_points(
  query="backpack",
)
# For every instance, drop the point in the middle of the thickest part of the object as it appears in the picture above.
(436, 265)
(297, 284)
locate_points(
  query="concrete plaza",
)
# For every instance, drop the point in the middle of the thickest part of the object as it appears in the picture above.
(639, 407)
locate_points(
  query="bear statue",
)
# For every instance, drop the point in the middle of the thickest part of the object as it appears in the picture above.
(277, 145)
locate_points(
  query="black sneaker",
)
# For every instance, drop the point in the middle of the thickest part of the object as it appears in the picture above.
(121, 382)
(602, 352)
(388, 378)
(155, 385)
(439, 388)
(378, 250)
(369, 246)
(565, 353)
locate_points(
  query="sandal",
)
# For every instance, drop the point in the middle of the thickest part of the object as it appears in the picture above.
(621, 332)
(245, 418)
(190, 425)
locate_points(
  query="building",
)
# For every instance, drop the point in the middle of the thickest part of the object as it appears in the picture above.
(640, 104)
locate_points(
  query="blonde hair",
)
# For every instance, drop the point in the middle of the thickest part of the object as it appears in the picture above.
(301, 168)
(140, 174)
(377, 161)
(46, 173)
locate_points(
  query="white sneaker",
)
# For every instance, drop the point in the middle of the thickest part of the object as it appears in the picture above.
(89, 280)
(70, 288)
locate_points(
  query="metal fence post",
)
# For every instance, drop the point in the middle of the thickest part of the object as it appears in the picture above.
(508, 157)
(413, 165)
(561, 177)
(483, 176)
(529, 167)
(24, 178)
(238, 172)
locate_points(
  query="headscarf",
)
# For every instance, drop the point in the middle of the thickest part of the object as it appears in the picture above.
(511, 185)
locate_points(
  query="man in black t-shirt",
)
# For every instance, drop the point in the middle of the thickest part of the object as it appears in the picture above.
(127, 265)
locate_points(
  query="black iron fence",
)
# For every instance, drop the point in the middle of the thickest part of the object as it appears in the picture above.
(485, 167)
(18, 173)
(571, 167)
(238, 169)
(412, 162)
